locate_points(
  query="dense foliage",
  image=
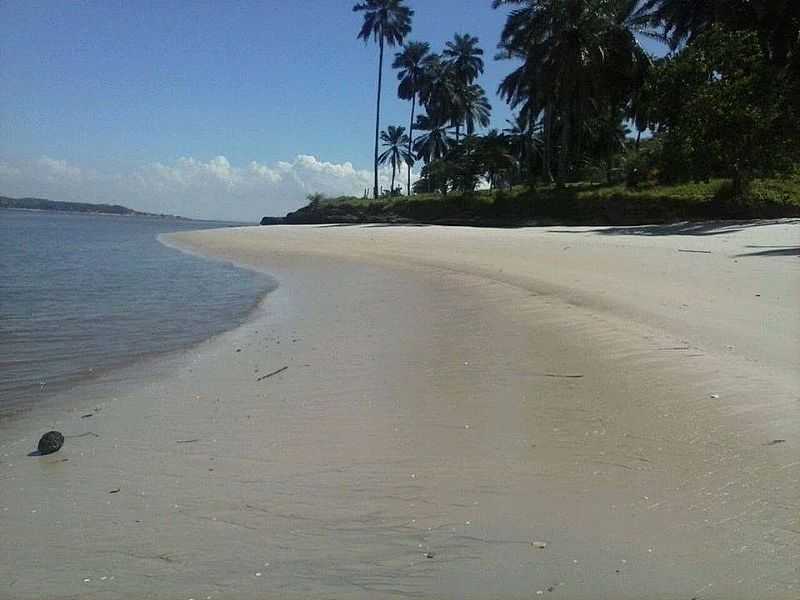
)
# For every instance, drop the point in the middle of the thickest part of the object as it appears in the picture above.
(723, 104)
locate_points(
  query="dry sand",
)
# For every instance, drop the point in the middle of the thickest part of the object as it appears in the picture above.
(466, 413)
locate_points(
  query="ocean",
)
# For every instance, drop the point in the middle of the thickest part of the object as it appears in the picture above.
(82, 294)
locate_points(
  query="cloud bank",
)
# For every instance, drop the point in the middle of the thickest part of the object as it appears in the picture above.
(213, 189)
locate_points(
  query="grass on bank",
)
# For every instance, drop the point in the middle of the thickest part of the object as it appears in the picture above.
(575, 203)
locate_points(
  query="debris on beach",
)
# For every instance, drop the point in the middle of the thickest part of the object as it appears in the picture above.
(429, 555)
(775, 442)
(51, 442)
(88, 433)
(87, 415)
(187, 441)
(540, 545)
(114, 491)
(268, 375)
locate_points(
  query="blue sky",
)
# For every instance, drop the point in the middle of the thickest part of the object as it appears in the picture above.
(137, 102)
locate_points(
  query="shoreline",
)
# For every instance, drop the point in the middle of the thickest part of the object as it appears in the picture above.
(437, 405)
(21, 396)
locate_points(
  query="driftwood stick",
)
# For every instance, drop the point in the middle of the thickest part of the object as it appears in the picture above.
(576, 376)
(268, 375)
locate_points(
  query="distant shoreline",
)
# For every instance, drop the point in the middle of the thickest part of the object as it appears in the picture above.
(99, 213)
(45, 205)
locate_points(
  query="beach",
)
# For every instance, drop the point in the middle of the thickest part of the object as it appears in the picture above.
(440, 412)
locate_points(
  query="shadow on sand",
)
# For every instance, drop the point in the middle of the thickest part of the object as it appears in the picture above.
(699, 228)
(776, 251)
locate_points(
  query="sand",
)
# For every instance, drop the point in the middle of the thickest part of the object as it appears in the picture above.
(466, 413)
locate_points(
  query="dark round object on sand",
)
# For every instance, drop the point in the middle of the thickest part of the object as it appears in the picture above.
(51, 442)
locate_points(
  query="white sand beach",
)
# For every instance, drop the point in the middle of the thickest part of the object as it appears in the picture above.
(563, 412)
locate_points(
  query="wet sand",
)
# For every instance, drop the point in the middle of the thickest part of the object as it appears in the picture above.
(466, 413)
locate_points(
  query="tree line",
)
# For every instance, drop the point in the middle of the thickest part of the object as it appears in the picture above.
(724, 102)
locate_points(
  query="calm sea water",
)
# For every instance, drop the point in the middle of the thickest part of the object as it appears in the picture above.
(80, 294)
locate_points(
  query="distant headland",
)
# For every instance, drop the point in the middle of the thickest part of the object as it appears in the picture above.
(81, 207)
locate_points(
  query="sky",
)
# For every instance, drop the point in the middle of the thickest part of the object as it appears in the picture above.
(208, 109)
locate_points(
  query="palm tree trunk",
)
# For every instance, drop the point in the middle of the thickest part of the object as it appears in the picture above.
(548, 143)
(394, 169)
(458, 132)
(563, 151)
(411, 136)
(638, 138)
(378, 117)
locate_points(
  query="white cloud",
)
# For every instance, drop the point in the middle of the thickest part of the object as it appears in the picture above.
(58, 169)
(195, 188)
(8, 172)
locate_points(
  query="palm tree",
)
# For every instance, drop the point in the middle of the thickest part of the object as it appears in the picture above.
(387, 22)
(495, 155)
(411, 62)
(578, 57)
(679, 21)
(464, 55)
(395, 141)
(609, 134)
(524, 140)
(435, 143)
(438, 89)
(474, 108)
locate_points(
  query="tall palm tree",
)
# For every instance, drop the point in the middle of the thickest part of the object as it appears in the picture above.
(435, 143)
(387, 22)
(411, 62)
(395, 141)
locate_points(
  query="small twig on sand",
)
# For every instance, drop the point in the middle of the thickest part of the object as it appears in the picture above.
(83, 435)
(187, 441)
(558, 375)
(268, 375)
(695, 251)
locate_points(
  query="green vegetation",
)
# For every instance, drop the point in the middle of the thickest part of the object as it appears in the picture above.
(611, 204)
(717, 120)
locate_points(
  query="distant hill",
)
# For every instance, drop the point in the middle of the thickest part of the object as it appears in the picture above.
(83, 207)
